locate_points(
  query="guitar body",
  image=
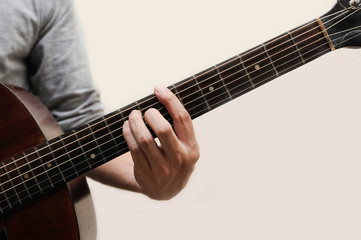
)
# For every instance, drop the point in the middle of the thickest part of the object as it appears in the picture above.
(25, 123)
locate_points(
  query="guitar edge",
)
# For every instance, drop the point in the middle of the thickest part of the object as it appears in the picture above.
(25, 123)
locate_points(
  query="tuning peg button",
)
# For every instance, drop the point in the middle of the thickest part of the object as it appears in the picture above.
(354, 3)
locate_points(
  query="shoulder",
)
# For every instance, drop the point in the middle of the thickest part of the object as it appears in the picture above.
(53, 12)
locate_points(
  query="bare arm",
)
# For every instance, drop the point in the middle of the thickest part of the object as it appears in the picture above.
(160, 172)
(117, 173)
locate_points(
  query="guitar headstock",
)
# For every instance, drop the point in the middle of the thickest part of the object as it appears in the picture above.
(343, 23)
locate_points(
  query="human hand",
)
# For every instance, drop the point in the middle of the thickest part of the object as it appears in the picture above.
(162, 171)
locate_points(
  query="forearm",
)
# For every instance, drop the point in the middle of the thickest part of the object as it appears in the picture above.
(117, 173)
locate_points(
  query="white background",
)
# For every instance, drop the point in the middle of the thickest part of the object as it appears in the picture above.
(281, 162)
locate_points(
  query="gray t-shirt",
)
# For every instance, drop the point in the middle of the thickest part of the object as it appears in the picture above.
(41, 50)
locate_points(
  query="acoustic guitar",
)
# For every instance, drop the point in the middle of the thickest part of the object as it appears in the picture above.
(41, 167)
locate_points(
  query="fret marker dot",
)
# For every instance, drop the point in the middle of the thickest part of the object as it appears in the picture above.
(92, 156)
(49, 165)
(211, 88)
(257, 67)
(26, 175)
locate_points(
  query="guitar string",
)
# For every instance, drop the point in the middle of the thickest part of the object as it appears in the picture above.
(356, 35)
(344, 11)
(33, 194)
(104, 151)
(226, 69)
(163, 107)
(116, 146)
(153, 104)
(39, 191)
(352, 12)
(50, 145)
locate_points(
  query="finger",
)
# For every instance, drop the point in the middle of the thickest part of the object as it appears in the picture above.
(144, 138)
(182, 122)
(162, 129)
(138, 156)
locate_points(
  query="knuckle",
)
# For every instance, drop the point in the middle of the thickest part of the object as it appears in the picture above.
(140, 170)
(165, 130)
(182, 116)
(145, 140)
(187, 160)
(179, 161)
(195, 152)
(133, 147)
(164, 174)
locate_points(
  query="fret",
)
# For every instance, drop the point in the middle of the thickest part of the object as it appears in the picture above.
(165, 113)
(283, 54)
(258, 66)
(151, 101)
(4, 204)
(53, 170)
(325, 34)
(95, 134)
(200, 90)
(77, 157)
(128, 109)
(174, 90)
(4, 201)
(22, 178)
(137, 106)
(32, 178)
(84, 148)
(122, 118)
(60, 159)
(310, 41)
(296, 48)
(234, 77)
(225, 86)
(5, 193)
(104, 140)
(67, 149)
(75, 148)
(8, 184)
(112, 137)
(270, 59)
(245, 70)
(91, 151)
(39, 169)
(192, 98)
(115, 125)
(212, 88)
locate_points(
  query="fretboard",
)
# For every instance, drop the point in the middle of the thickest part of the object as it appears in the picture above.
(54, 163)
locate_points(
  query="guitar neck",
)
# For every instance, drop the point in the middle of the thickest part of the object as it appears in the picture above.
(68, 156)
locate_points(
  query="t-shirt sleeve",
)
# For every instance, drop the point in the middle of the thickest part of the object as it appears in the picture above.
(58, 67)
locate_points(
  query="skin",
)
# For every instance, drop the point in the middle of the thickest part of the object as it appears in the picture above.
(158, 171)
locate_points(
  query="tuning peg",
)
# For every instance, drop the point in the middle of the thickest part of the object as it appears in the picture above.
(354, 3)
